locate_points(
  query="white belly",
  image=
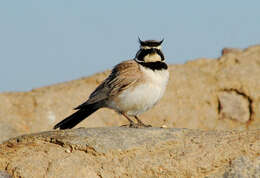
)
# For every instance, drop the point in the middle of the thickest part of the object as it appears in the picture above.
(143, 97)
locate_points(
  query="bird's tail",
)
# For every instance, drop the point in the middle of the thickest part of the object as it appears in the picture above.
(76, 117)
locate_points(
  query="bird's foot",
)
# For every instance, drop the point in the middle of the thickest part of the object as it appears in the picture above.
(142, 125)
(136, 125)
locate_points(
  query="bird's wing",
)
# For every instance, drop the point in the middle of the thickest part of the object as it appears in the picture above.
(122, 76)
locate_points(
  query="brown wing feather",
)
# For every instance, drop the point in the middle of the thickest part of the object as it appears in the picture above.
(122, 76)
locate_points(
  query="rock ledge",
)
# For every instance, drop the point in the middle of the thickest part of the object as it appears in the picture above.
(126, 152)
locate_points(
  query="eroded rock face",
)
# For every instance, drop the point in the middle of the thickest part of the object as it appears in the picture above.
(235, 106)
(203, 94)
(125, 152)
(230, 50)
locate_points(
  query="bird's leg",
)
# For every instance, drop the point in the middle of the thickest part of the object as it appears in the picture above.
(141, 123)
(132, 124)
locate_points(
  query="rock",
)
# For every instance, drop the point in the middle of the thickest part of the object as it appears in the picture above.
(205, 94)
(128, 152)
(230, 50)
(243, 167)
(234, 106)
(3, 174)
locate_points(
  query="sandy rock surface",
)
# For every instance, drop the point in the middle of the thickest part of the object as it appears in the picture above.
(126, 152)
(207, 94)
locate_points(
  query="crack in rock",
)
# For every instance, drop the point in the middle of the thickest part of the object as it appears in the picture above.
(71, 147)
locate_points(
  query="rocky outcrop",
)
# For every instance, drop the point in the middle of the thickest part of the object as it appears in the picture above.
(129, 152)
(208, 94)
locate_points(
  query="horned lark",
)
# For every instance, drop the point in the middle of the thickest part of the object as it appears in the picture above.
(133, 87)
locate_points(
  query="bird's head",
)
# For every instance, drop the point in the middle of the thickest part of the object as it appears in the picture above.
(150, 51)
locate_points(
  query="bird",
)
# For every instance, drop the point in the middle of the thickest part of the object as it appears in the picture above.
(133, 87)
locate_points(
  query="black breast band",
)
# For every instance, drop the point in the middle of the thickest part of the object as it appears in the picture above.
(154, 65)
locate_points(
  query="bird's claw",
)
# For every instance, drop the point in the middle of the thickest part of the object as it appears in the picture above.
(136, 125)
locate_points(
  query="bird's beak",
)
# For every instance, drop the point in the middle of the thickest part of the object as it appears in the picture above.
(154, 50)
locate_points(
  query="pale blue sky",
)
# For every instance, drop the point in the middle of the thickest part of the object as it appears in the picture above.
(52, 41)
